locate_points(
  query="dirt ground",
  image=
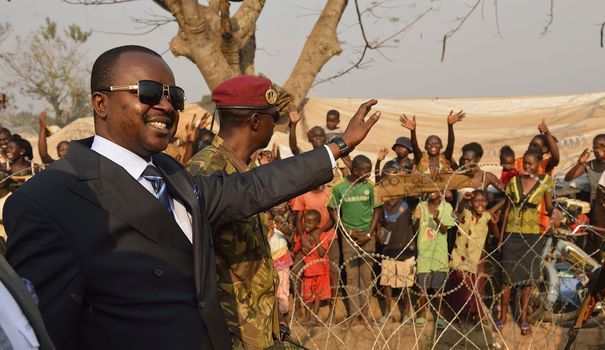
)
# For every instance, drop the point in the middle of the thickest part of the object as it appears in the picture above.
(337, 333)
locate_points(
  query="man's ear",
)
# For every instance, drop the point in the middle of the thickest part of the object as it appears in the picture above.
(99, 104)
(254, 122)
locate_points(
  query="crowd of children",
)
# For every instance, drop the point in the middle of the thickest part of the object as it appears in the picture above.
(433, 250)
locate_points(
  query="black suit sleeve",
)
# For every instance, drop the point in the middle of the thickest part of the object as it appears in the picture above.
(236, 196)
(39, 251)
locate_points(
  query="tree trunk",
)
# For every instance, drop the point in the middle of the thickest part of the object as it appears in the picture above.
(223, 47)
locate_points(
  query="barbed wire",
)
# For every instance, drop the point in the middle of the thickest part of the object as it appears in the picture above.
(326, 333)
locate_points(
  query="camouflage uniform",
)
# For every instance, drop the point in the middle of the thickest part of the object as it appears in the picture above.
(247, 279)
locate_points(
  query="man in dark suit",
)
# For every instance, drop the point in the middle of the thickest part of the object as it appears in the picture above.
(116, 237)
(21, 326)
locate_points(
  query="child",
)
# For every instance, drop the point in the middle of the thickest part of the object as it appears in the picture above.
(19, 154)
(332, 121)
(314, 246)
(522, 245)
(359, 215)
(317, 199)
(432, 161)
(544, 143)
(282, 261)
(475, 222)
(434, 217)
(471, 157)
(507, 161)
(402, 149)
(397, 238)
(43, 132)
(317, 138)
(593, 169)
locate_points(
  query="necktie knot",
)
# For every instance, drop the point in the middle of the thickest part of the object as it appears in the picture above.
(153, 175)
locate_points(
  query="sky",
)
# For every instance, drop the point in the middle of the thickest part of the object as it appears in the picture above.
(480, 59)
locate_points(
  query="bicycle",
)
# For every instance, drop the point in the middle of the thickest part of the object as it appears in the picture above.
(566, 269)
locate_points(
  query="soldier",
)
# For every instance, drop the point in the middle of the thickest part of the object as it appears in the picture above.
(246, 274)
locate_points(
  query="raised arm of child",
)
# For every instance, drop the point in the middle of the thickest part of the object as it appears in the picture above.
(322, 245)
(494, 181)
(410, 124)
(552, 146)
(466, 198)
(452, 119)
(42, 145)
(580, 167)
(382, 153)
(294, 119)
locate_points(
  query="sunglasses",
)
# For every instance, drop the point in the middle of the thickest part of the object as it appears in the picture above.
(151, 92)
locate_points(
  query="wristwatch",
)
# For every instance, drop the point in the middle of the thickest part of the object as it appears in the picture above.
(344, 149)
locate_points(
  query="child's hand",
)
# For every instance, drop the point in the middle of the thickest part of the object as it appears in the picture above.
(584, 157)
(382, 153)
(42, 117)
(203, 122)
(468, 196)
(295, 117)
(542, 127)
(436, 215)
(453, 118)
(190, 131)
(408, 123)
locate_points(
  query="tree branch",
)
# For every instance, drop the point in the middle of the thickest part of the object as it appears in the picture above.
(551, 17)
(96, 2)
(246, 17)
(359, 63)
(322, 44)
(497, 16)
(461, 22)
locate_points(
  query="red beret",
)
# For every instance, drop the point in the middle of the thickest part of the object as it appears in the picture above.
(246, 91)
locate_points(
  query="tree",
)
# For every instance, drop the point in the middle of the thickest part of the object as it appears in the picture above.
(48, 65)
(223, 45)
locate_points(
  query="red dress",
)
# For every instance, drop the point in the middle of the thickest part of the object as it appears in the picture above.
(316, 276)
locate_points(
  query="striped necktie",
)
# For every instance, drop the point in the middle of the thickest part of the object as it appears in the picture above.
(152, 174)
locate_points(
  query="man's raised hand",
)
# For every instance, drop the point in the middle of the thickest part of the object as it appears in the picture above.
(359, 126)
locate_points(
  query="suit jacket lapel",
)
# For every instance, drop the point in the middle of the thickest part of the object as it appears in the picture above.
(108, 185)
(13, 284)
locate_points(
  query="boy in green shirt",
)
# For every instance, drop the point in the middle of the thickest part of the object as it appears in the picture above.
(359, 214)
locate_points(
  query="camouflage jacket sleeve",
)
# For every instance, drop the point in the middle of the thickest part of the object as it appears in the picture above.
(207, 162)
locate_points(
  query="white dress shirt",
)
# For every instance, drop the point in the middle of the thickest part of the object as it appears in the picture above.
(135, 165)
(15, 325)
